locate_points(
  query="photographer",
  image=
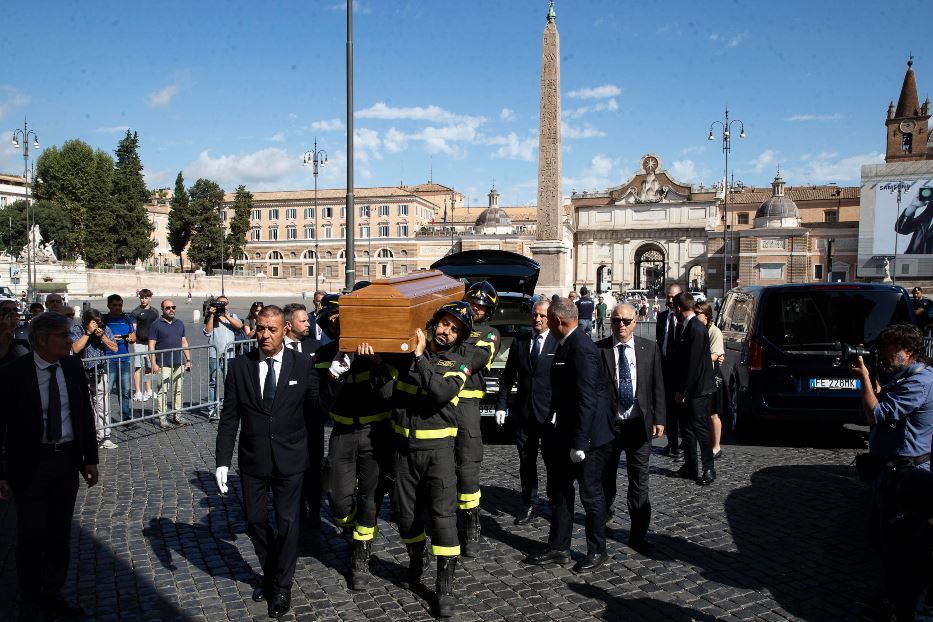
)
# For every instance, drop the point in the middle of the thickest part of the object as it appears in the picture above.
(900, 412)
(220, 328)
(91, 338)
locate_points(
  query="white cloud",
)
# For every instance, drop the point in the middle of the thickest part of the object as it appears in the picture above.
(684, 170)
(599, 92)
(278, 137)
(507, 114)
(598, 175)
(433, 114)
(587, 131)
(163, 96)
(836, 116)
(11, 98)
(736, 40)
(268, 167)
(157, 179)
(116, 129)
(610, 105)
(828, 166)
(333, 125)
(764, 160)
(515, 148)
(714, 36)
(693, 149)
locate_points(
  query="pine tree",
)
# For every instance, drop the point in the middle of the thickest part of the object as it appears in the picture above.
(205, 248)
(239, 224)
(132, 235)
(180, 221)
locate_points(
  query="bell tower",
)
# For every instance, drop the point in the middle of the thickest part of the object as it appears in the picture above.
(908, 124)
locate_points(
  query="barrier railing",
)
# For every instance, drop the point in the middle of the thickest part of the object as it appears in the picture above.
(928, 347)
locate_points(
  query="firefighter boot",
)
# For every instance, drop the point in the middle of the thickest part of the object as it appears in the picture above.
(445, 586)
(415, 565)
(471, 533)
(359, 564)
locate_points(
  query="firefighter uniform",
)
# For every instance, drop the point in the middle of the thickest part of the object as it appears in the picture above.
(360, 452)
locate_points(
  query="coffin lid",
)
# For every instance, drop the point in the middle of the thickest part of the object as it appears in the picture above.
(508, 272)
(401, 291)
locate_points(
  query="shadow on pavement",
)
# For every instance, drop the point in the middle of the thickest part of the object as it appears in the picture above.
(638, 608)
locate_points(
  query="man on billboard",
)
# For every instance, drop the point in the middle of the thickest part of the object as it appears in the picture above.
(920, 225)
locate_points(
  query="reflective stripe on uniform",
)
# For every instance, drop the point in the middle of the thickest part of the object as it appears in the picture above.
(425, 434)
(361, 377)
(400, 384)
(363, 533)
(471, 394)
(445, 551)
(347, 520)
(492, 350)
(466, 501)
(458, 374)
(421, 537)
(324, 365)
(362, 420)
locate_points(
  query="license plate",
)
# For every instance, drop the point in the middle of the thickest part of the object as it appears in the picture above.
(845, 384)
(487, 412)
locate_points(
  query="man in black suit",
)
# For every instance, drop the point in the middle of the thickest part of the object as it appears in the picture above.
(693, 383)
(46, 439)
(665, 329)
(270, 392)
(529, 411)
(581, 442)
(298, 335)
(632, 368)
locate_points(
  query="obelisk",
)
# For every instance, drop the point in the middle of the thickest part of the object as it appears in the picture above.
(550, 248)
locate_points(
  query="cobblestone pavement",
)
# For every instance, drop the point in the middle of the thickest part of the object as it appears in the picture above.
(780, 535)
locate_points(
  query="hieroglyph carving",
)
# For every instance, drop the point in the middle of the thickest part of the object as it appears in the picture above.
(549, 154)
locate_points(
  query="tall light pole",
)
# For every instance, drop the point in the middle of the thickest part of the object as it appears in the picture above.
(223, 250)
(351, 256)
(726, 125)
(24, 135)
(316, 158)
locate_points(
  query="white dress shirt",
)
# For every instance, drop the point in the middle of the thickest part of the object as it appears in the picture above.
(542, 337)
(632, 366)
(44, 376)
(264, 368)
(289, 341)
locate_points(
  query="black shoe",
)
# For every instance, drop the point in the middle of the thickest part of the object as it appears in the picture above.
(717, 455)
(259, 594)
(56, 604)
(280, 604)
(548, 556)
(641, 545)
(591, 562)
(471, 529)
(527, 516)
(443, 587)
(686, 472)
(708, 477)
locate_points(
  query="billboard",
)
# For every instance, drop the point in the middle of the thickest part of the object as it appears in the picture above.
(903, 223)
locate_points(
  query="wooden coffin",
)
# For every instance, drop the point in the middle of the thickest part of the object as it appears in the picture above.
(386, 313)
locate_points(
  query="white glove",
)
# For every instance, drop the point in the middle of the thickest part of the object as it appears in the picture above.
(500, 417)
(221, 476)
(340, 365)
(577, 456)
(554, 419)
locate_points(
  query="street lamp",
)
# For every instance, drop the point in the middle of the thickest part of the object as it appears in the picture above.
(24, 135)
(726, 125)
(316, 158)
(223, 250)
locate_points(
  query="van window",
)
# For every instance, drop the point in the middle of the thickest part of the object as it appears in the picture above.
(803, 319)
(736, 313)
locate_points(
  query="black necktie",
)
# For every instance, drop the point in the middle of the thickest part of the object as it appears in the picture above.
(53, 428)
(626, 395)
(294, 345)
(268, 387)
(535, 351)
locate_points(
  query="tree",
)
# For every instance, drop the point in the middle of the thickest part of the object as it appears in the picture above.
(80, 180)
(180, 221)
(205, 247)
(132, 236)
(239, 224)
(54, 226)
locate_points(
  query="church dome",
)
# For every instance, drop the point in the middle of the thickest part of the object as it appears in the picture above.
(777, 208)
(493, 217)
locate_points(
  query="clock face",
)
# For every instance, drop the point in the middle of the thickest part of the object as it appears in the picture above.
(908, 126)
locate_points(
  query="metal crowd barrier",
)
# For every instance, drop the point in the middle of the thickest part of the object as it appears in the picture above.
(175, 392)
(928, 347)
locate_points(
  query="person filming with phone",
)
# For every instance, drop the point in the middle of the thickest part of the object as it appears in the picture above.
(899, 410)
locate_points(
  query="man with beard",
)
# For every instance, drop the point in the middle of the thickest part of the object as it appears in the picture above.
(298, 329)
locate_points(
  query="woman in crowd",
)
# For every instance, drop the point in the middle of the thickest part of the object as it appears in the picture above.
(249, 322)
(718, 354)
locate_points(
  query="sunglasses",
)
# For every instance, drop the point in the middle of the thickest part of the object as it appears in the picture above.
(926, 193)
(168, 308)
(622, 320)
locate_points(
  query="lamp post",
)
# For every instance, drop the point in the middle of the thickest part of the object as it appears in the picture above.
(223, 250)
(24, 135)
(726, 126)
(316, 158)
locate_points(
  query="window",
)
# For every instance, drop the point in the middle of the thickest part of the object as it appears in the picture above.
(364, 211)
(328, 232)
(2, 201)
(742, 218)
(273, 233)
(383, 210)
(256, 214)
(255, 234)
(291, 232)
(385, 253)
(330, 271)
(223, 215)
(907, 142)
(275, 270)
(364, 269)
(384, 269)
(403, 231)
(275, 256)
(364, 231)
(383, 231)
(291, 213)
(309, 213)
(771, 271)
(274, 213)
(343, 211)
(403, 210)
(830, 215)
(343, 231)
(818, 272)
(403, 269)
(327, 212)
(310, 268)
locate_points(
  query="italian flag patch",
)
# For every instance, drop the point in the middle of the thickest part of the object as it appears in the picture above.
(465, 370)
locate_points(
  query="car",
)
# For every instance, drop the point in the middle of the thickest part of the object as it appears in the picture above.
(7, 294)
(786, 346)
(514, 276)
(698, 296)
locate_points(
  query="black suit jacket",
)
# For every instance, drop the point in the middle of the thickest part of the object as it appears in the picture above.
(692, 367)
(21, 427)
(532, 401)
(268, 441)
(649, 381)
(580, 402)
(660, 327)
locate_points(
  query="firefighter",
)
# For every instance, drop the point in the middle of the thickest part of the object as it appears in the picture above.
(361, 445)
(424, 391)
(484, 343)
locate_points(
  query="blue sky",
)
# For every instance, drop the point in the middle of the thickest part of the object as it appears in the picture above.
(237, 91)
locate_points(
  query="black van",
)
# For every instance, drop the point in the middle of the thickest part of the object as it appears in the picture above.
(784, 348)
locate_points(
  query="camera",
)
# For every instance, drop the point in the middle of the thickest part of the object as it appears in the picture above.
(220, 306)
(851, 353)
